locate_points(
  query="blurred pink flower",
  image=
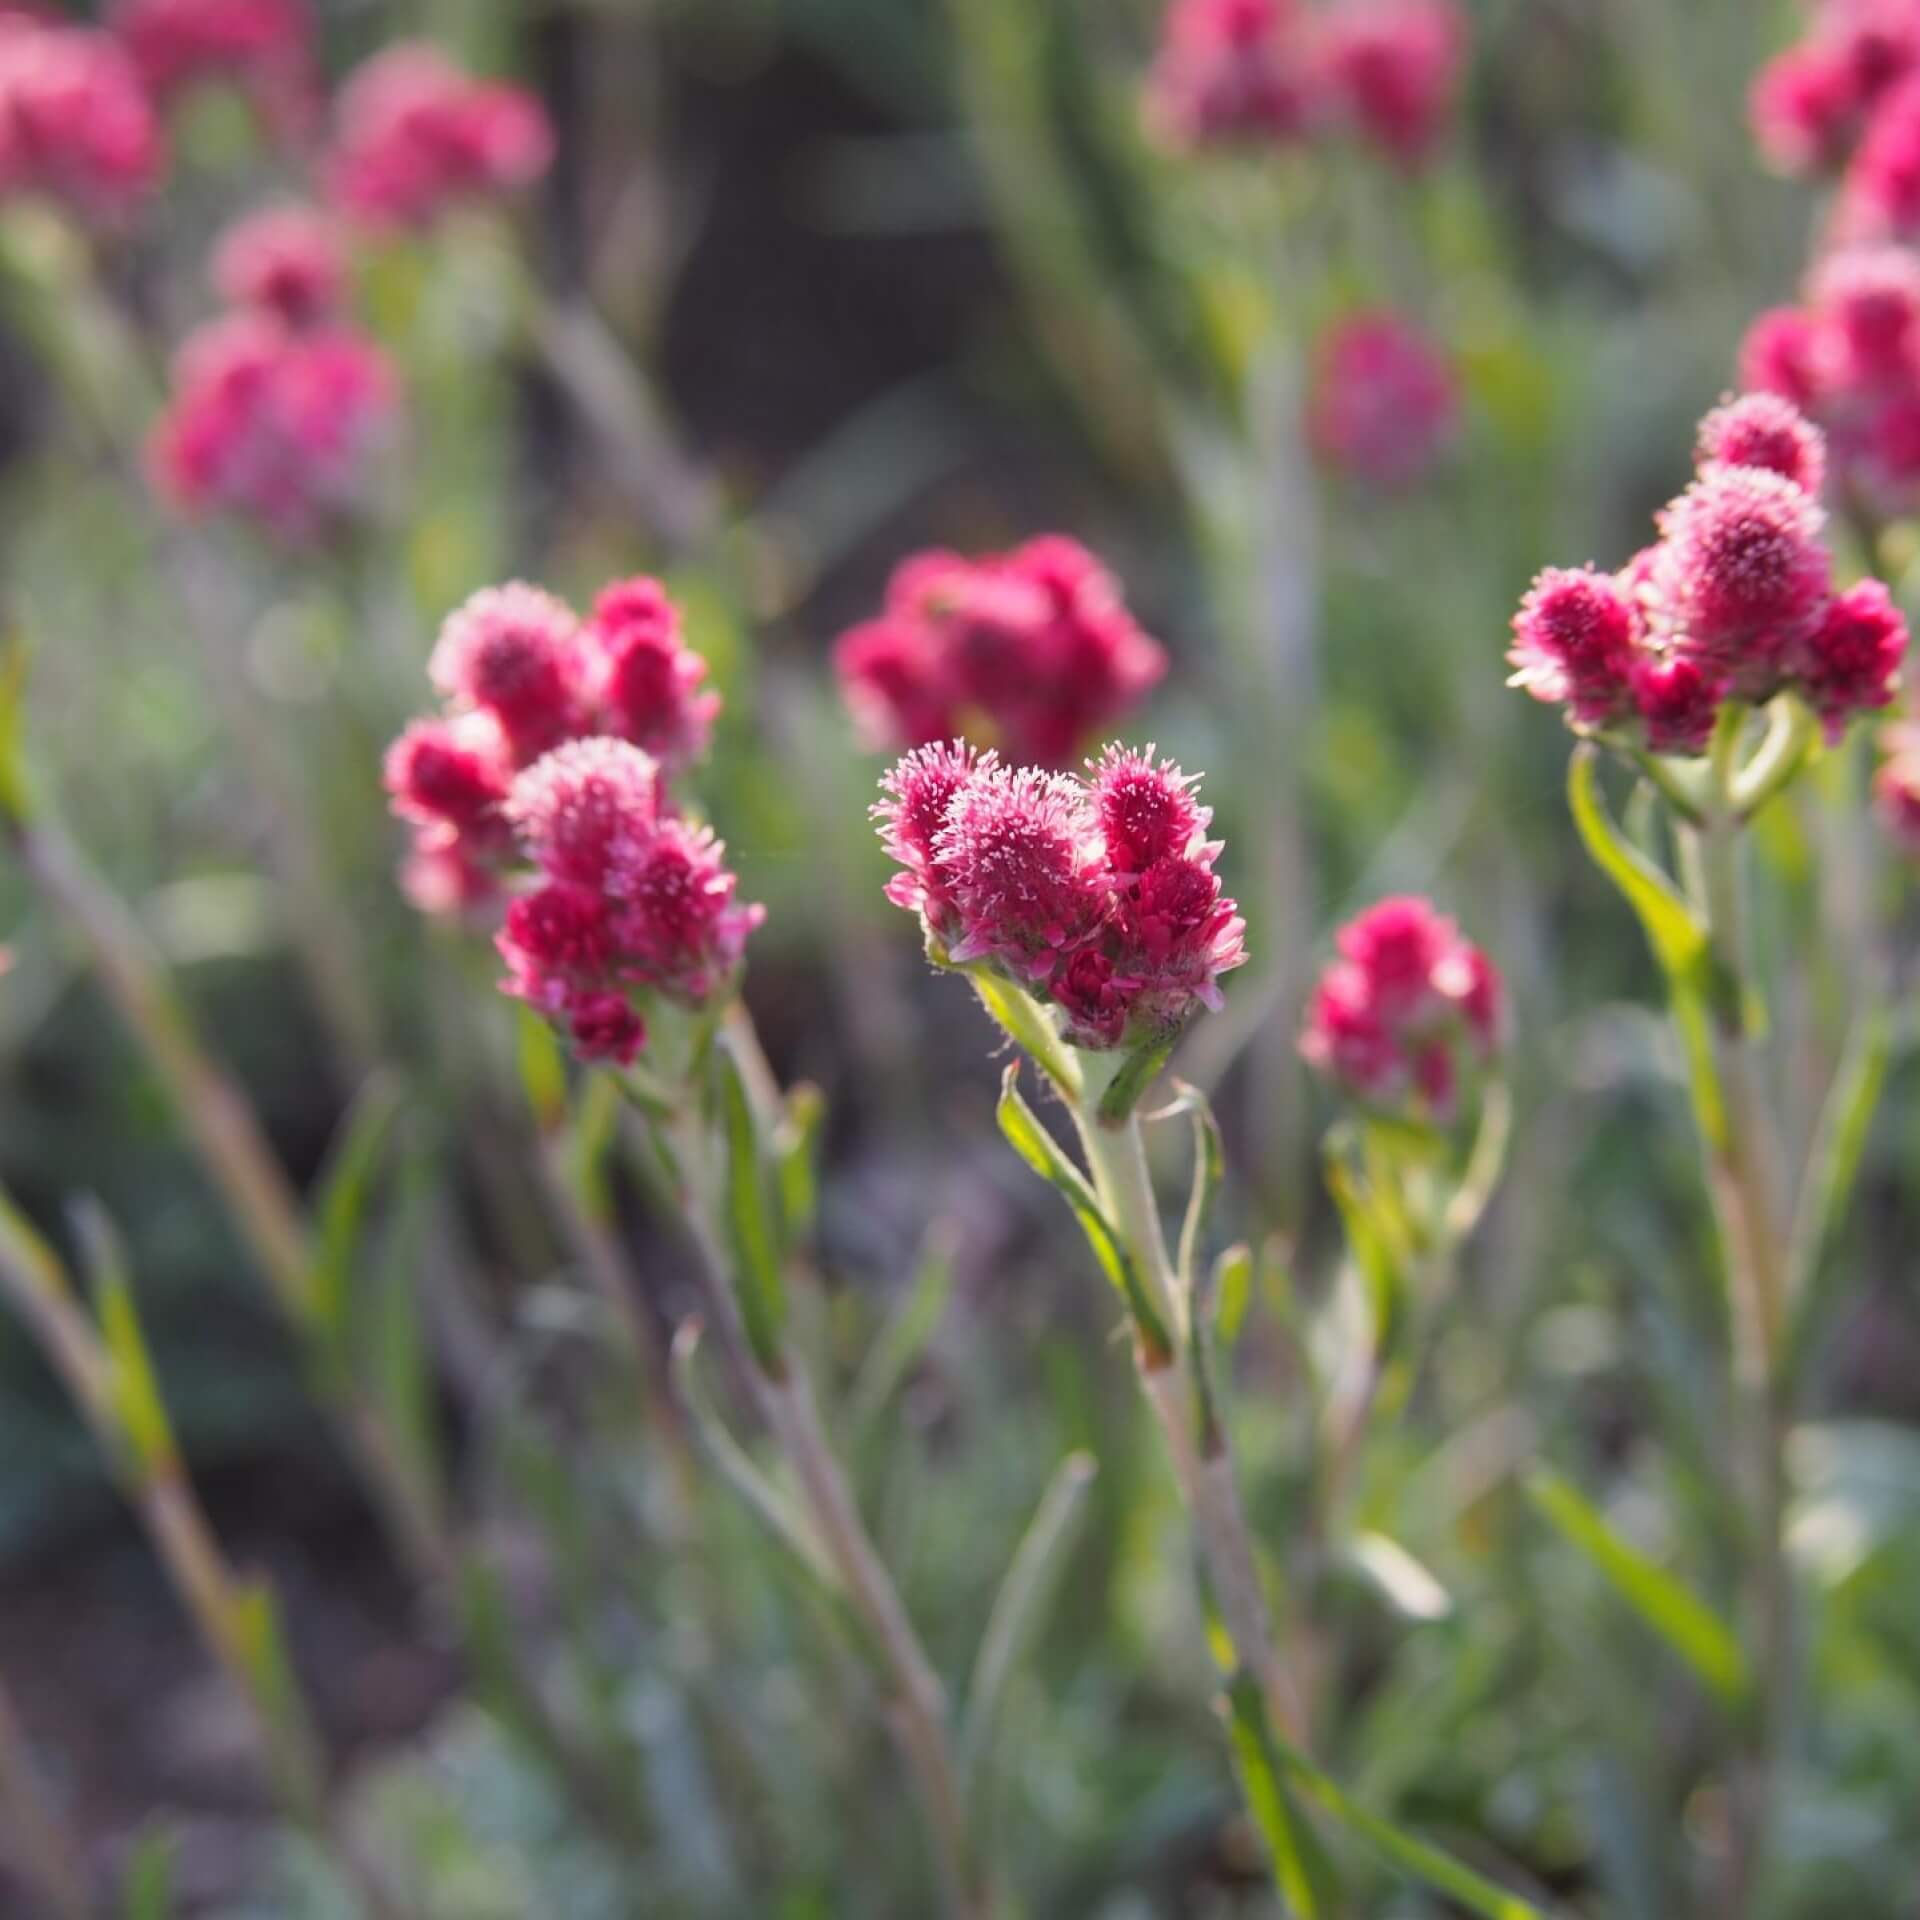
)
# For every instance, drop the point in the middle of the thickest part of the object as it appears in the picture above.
(1031, 651)
(1385, 400)
(262, 47)
(76, 124)
(1396, 66)
(1235, 72)
(1764, 430)
(414, 136)
(289, 261)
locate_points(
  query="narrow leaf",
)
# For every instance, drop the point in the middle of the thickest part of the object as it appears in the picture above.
(1673, 931)
(796, 1150)
(1231, 1292)
(908, 1328)
(146, 1888)
(15, 657)
(1371, 1240)
(1684, 1621)
(543, 1070)
(340, 1213)
(750, 1222)
(133, 1388)
(1038, 1148)
(596, 1119)
(1302, 1874)
(1031, 1574)
(1209, 1164)
(1025, 1023)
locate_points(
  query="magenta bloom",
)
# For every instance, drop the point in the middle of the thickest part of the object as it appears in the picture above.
(647, 679)
(1032, 650)
(1385, 401)
(1809, 106)
(415, 136)
(1763, 430)
(1234, 73)
(76, 124)
(284, 428)
(1396, 65)
(1780, 355)
(1735, 601)
(585, 812)
(1406, 1010)
(289, 261)
(1097, 895)
(1880, 192)
(514, 652)
(262, 47)
(452, 773)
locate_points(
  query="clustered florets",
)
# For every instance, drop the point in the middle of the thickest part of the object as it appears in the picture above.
(1406, 1012)
(76, 125)
(414, 136)
(1032, 651)
(1274, 72)
(282, 424)
(1735, 601)
(549, 772)
(288, 260)
(1098, 894)
(263, 48)
(1811, 104)
(1849, 357)
(1384, 401)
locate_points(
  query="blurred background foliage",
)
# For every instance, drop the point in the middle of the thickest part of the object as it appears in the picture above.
(898, 273)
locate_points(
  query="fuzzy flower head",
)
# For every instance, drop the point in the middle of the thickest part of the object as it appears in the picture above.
(1735, 601)
(264, 48)
(415, 136)
(1384, 402)
(280, 427)
(1234, 73)
(288, 261)
(1396, 65)
(76, 124)
(1406, 1012)
(452, 773)
(1031, 651)
(515, 652)
(648, 681)
(1096, 895)
(586, 811)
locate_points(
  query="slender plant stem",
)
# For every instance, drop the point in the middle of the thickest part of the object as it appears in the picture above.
(1743, 1171)
(785, 1399)
(1199, 1449)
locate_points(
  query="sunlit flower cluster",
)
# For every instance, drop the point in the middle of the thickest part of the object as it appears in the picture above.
(1274, 72)
(1407, 1013)
(76, 125)
(415, 136)
(1032, 651)
(1385, 401)
(1098, 894)
(1734, 602)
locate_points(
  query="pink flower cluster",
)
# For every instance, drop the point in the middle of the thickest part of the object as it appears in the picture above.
(1735, 602)
(1811, 104)
(1033, 650)
(1275, 72)
(415, 136)
(1097, 895)
(1406, 1012)
(1896, 786)
(280, 424)
(264, 48)
(1850, 358)
(289, 261)
(75, 122)
(521, 676)
(1384, 401)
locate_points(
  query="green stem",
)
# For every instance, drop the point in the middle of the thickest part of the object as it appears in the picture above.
(1742, 1171)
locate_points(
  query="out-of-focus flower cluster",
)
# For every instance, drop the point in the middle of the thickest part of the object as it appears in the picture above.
(76, 125)
(1407, 1012)
(280, 408)
(1735, 602)
(548, 774)
(1097, 895)
(1032, 651)
(1384, 402)
(1269, 73)
(415, 136)
(1812, 103)
(1849, 357)
(262, 48)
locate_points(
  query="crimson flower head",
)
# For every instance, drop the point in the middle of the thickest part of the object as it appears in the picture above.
(514, 652)
(1805, 109)
(1384, 401)
(278, 426)
(1396, 66)
(415, 136)
(76, 124)
(1896, 786)
(586, 811)
(452, 773)
(1031, 651)
(289, 261)
(1780, 355)
(1735, 601)
(647, 679)
(1406, 1011)
(1097, 895)
(1234, 73)
(262, 47)
(1763, 430)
